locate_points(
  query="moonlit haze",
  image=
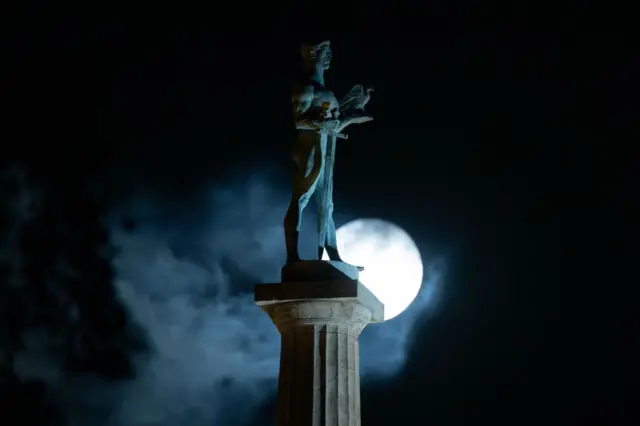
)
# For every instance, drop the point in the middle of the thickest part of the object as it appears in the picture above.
(186, 274)
(392, 263)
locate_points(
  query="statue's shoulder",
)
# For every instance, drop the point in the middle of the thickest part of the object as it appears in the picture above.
(303, 91)
(304, 87)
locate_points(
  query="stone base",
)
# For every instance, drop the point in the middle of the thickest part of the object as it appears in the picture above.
(319, 280)
(268, 295)
(319, 270)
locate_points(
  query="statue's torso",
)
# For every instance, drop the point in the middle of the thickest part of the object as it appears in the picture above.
(322, 96)
(308, 141)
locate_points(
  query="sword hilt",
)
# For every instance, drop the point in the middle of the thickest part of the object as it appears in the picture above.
(332, 133)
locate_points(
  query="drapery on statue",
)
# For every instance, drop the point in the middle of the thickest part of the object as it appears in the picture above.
(319, 120)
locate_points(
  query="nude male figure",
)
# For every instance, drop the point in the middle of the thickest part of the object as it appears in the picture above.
(316, 114)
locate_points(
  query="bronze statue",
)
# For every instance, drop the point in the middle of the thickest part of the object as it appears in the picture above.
(319, 120)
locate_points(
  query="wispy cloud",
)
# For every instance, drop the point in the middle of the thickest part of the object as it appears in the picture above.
(186, 280)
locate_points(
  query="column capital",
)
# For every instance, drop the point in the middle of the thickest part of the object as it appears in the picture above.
(319, 302)
(350, 314)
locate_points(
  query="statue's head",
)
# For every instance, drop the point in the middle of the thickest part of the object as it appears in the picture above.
(315, 55)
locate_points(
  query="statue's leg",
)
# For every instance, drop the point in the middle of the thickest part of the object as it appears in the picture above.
(320, 198)
(331, 233)
(331, 243)
(304, 184)
(324, 201)
(326, 225)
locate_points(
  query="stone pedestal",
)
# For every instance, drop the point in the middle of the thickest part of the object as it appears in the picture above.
(319, 310)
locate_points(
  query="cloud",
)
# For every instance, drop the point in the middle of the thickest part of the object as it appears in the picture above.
(185, 274)
(383, 347)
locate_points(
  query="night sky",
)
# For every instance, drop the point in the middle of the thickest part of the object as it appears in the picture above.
(145, 174)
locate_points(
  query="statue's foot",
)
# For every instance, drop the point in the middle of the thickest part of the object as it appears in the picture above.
(335, 256)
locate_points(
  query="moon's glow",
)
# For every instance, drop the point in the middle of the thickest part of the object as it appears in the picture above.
(393, 266)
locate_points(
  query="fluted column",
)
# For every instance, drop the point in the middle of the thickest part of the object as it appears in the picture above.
(320, 310)
(319, 383)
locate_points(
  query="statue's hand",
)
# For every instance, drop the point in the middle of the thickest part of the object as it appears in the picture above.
(329, 124)
(354, 120)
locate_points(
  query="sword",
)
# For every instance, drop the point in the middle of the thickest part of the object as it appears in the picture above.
(329, 132)
(333, 133)
(329, 161)
(330, 152)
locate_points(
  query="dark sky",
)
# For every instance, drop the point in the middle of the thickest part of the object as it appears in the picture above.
(140, 136)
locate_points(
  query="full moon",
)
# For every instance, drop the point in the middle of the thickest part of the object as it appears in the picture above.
(392, 263)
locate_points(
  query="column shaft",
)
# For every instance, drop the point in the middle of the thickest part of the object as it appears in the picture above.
(319, 383)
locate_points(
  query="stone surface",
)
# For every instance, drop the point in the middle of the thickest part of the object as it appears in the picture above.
(319, 383)
(319, 321)
(319, 270)
(268, 295)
